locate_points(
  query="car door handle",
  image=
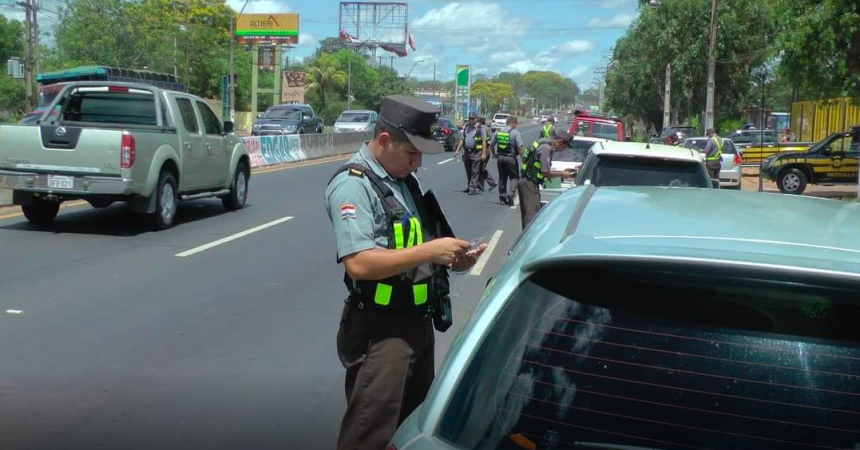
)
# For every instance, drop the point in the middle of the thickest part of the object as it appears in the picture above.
(187, 145)
(208, 146)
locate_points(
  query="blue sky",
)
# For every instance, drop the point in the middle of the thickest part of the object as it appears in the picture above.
(570, 37)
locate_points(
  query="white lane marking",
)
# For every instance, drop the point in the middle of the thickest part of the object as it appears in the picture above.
(443, 162)
(14, 311)
(752, 241)
(516, 202)
(482, 261)
(233, 237)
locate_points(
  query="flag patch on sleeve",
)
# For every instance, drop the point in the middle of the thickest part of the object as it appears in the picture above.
(347, 211)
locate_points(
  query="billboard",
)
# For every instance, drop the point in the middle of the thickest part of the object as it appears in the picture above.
(293, 87)
(282, 28)
(463, 91)
(375, 25)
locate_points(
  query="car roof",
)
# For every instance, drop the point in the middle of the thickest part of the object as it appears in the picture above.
(705, 138)
(358, 111)
(642, 150)
(589, 139)
(804, 234)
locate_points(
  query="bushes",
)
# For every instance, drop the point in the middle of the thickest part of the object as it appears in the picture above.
(727, 126)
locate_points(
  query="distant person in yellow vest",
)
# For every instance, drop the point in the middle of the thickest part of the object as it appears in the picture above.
(714, 154)
(547, 130)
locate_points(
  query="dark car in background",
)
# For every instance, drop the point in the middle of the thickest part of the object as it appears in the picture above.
(447, 133)
(287, 119)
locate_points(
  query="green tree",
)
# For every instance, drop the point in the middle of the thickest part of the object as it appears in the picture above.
(492, 94)
(328, 45)
(666, 35)
(11, 38)
(819, 45)
(324, 76)
(12, 94)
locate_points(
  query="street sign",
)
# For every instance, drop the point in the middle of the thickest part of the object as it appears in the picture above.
(462, 91)
(266, 56)
(268, 28)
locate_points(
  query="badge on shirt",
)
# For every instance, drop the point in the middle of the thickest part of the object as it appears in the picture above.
(347, 212)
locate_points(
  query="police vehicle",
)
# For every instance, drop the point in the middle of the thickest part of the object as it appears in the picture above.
(834, 160)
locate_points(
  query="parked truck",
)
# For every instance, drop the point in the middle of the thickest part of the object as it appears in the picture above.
(126, 142)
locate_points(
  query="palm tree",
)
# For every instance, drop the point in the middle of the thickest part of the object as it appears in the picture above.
(324, 76)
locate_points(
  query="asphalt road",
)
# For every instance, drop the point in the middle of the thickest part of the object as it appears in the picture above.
(111, 340)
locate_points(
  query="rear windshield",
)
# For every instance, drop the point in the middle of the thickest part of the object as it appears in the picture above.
(699, 144)
(618, 171)
(282, 113)
(500, 117)
(101, 106)
(444, 123)
(605, 131)
(618, 357)
(354, 117)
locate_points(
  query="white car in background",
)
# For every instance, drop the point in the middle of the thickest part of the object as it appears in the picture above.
(616, 163)
(500, 120)
(731, 176)
(355, 121)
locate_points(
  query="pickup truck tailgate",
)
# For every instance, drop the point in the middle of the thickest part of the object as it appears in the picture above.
(60, 149)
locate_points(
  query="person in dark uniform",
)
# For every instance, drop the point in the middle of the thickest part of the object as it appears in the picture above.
(536, 170)
(384, 228)
(508, 143)
(473, 134)
(484, 147)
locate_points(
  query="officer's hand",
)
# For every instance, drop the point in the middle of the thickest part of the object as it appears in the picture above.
(465, 261)
(568, 173)
(446, 250)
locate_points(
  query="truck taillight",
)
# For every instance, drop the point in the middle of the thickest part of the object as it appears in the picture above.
(127, 150)
(737, 160)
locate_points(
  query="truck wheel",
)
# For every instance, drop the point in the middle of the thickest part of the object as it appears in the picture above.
(165, 202)
(792, 181)
(41, 211)
(239, 190)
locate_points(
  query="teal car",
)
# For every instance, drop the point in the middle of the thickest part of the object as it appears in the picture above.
(633, 318)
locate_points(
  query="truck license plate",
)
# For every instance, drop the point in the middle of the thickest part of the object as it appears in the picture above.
(61, 182)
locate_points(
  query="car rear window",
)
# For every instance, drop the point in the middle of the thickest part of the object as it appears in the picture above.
(500, 117)
(354, 117)
(284, 113)
(699, 144)
(622, 357)
(444, 123)
(98, 105)
(605, 131)
(623, 171)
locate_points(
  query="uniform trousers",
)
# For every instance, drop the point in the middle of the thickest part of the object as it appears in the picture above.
(508, 171)
(389, 362)
(529, 201)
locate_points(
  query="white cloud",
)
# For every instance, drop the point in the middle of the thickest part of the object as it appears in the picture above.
(508, 56)
(260, 6)
(616, 21)
(530, 64)
(308, 40)
(577, 71)
(455, 20)
(575, 47)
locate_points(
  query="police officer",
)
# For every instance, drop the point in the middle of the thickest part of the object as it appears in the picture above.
(483, 146)
(548, 129)
(536, 170)
(508, 143)
(472, 155)
(390, 255)
(713, 154)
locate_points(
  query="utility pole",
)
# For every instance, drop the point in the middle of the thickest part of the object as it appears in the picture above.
(28, 61)
(349, 86)
(435, 96)
(667, 97)
(709, 103)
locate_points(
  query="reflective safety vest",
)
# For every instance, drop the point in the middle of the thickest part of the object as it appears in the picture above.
(409, 290)
(503, 143)
(479, 141)
(544, 133)
(531, 167)
(718, 142)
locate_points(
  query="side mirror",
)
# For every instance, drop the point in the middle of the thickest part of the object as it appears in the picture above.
(228, 127)
(715, 184)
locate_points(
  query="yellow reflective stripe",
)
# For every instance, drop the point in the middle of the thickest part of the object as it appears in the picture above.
(420, 293)
(419, 232)
(383, 294)
(398, 235)
(411, 233)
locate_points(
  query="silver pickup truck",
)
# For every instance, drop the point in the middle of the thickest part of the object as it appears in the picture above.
(123, 142)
